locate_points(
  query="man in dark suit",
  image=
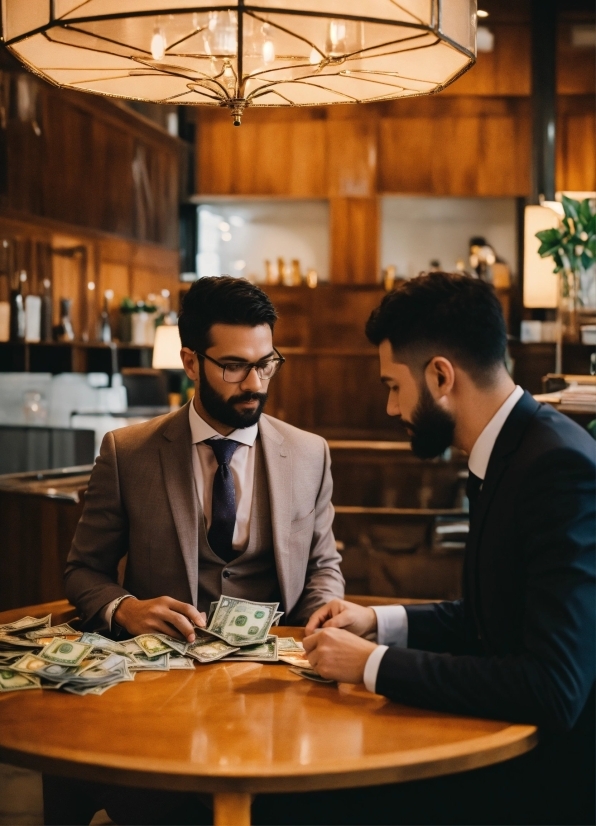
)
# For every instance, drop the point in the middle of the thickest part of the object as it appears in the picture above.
(520, 645)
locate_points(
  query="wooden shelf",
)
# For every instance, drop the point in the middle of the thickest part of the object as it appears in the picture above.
(71, 356)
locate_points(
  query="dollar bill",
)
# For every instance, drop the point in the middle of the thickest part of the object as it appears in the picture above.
(8, 641)
(131, 647)
(32, 664)
(242, 622)
(207, 651)
(13, 681)
(153, 645)
(141, 662)
(296, 658)
(288, 644)
(101, 643)
(181, 663)
(177, 645)
(276, 618)
(65, 652)
(25, 624)
(309, 674)
(264, 652)
(52, 631)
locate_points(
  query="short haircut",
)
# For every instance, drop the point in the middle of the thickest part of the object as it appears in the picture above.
(221, 300)
(443, 314)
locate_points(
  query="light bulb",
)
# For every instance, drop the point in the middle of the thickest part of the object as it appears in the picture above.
(482, 13)
(315, 57)
(268, 51)
(224, 226)
(226, 236)
(239, 265)
(228, 72)
(158, 44)
(91, 285)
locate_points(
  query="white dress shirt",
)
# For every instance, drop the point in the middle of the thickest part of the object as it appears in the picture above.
(392, 620)
(204, 463)
(242, 465)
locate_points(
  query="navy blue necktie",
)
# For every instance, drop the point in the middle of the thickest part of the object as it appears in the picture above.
(223, 503)
(473, 486)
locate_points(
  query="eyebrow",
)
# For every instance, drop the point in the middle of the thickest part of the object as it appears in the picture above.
(242, 360)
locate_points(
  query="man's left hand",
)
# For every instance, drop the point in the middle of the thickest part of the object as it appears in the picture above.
(338, 655)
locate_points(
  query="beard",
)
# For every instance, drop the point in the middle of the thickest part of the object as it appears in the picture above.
(223, 410)
(432, 427)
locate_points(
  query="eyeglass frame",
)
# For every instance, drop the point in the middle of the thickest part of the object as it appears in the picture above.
(249, 366)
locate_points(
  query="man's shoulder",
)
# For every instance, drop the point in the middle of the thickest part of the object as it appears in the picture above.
(140, 435)
(551, 431)
(303, 439)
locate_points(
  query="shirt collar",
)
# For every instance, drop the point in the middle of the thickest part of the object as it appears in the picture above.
(200, 430)
(483, 446)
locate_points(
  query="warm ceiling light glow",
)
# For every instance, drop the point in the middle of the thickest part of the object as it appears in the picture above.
(224, 226)
(158, 45)
(482, 13)
(226, 236)
(295, 53)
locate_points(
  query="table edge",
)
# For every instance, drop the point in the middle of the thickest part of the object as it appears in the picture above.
(416, 764)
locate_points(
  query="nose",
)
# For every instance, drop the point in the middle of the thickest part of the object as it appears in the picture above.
(252, 383)
(393, 408)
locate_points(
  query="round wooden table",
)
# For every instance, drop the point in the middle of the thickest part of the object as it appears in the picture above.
(236, 729)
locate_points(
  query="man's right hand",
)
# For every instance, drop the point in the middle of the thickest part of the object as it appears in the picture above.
(342, 614)
(163, 615)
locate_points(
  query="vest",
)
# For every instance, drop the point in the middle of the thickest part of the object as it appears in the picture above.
(251, 574)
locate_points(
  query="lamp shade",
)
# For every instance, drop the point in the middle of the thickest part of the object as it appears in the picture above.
(541, 285)
(166, 348)
(268, 53)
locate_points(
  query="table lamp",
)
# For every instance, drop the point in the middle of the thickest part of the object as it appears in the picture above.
(166, 348)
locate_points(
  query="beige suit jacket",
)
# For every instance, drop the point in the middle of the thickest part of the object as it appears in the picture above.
(141, 502)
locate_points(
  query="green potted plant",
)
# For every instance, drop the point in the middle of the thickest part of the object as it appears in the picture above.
(572, 246)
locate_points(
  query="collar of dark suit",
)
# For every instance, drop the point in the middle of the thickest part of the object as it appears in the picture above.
(513, 430)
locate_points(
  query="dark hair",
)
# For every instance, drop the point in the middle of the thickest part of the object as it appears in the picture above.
(222, 300)
(447, 314)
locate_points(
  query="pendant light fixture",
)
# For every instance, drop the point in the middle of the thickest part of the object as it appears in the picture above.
(239, 54)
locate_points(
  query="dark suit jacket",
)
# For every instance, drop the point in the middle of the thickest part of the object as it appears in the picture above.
(520, 645)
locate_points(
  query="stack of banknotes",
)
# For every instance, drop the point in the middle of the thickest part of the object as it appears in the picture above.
(35, 654)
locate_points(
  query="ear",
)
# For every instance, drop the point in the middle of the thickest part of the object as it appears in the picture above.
(440, 376)
(190, 364)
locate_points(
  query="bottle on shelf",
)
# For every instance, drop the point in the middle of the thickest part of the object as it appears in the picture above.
(105, 330)
(46, 311)
(64, 331)
(17, 309)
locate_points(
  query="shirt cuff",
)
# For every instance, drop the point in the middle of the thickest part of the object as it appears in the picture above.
(392, 625)
(371, 669)
(110, 610)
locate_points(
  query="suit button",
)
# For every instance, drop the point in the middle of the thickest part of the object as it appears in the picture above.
(227, 574)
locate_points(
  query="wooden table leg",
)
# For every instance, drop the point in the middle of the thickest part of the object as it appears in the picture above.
(231, 809)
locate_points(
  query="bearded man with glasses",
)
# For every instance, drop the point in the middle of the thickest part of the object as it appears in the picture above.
(216, 498)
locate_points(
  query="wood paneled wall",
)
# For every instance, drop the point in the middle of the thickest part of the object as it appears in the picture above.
(87, 161)
(472, 139)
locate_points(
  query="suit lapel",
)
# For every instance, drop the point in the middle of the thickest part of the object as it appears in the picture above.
(278, 469)
(505, 446)
(177, 469)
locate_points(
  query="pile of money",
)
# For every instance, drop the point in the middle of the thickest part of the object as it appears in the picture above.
(35, 654)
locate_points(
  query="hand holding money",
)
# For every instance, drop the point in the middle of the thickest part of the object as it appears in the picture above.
(339, 613)
(337, 654)
(163, 615)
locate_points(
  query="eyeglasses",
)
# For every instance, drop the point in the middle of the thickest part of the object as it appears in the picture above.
(237, 372)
